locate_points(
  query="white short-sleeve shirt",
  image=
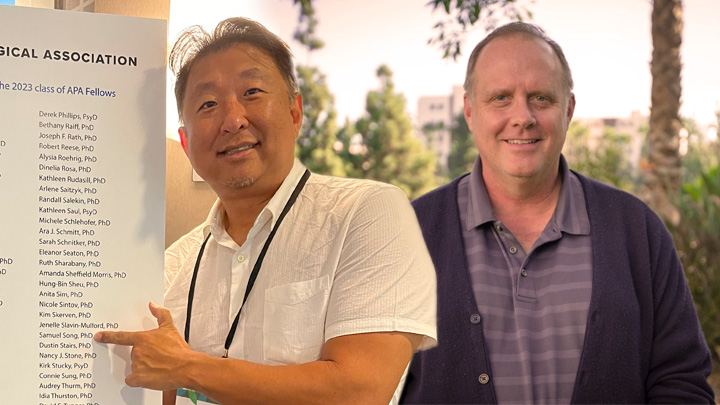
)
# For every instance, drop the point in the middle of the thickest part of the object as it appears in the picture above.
(348, 258)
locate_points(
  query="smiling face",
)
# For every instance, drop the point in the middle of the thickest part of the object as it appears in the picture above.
(519, 109)
(240, 124)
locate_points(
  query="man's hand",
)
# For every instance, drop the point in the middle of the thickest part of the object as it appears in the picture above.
(157, 355)
(358, 368)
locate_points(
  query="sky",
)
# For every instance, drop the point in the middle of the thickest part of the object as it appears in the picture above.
(607, 44)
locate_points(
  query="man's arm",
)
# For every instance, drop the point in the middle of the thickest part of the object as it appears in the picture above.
(360, 368)
(680, 361)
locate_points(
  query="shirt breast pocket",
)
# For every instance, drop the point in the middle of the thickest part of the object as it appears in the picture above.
(294, 321)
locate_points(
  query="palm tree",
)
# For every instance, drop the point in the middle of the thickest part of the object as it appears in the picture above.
(663, 178)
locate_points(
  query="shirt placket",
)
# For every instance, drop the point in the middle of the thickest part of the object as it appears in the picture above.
(242, 262)
(517, 262)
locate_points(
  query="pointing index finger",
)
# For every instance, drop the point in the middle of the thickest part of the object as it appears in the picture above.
(117, 338)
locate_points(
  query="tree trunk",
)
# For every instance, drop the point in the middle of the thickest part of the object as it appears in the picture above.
(663, 179)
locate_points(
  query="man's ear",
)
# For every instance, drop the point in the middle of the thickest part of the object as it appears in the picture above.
(183, 139)
(467, 109)
(296, 112)
(571, 107)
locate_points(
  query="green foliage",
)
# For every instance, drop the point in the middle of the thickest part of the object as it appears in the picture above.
(353, 150)
(390, 153)
(318, 135)
(462, 150)
(379, 146)
(602, 159)
(305, 32)
(701, 154)
(429, 128)
(463, 14)
(697, 239)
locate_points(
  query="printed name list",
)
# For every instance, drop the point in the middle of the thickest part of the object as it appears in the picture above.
(82, 190)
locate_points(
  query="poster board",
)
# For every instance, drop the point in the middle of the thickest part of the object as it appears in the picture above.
(82, 172)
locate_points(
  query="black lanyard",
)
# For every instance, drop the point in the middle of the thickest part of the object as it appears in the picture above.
(255, 270)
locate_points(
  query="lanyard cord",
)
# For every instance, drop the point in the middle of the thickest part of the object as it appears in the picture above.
(255, 270)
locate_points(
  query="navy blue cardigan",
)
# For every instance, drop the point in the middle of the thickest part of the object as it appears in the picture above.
(643, 341)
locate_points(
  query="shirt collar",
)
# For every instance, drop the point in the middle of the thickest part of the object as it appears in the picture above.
(570, 213)
(215, 221)
(479, 210)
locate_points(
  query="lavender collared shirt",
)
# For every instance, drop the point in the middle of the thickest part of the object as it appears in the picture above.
(534, 305)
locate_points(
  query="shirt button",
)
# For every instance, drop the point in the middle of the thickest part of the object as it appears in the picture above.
(523, 273)
(475, 319)
(513, 249)
(241, 258)
(499, 228)
(484, 378)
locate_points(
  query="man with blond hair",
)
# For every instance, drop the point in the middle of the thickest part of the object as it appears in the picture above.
(552, 287)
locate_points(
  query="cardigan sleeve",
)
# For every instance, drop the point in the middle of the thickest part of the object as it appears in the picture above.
(654, 326)
(680, 359)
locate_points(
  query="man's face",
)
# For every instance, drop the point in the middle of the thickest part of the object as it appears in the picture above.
(240, 125)
(520, 110)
